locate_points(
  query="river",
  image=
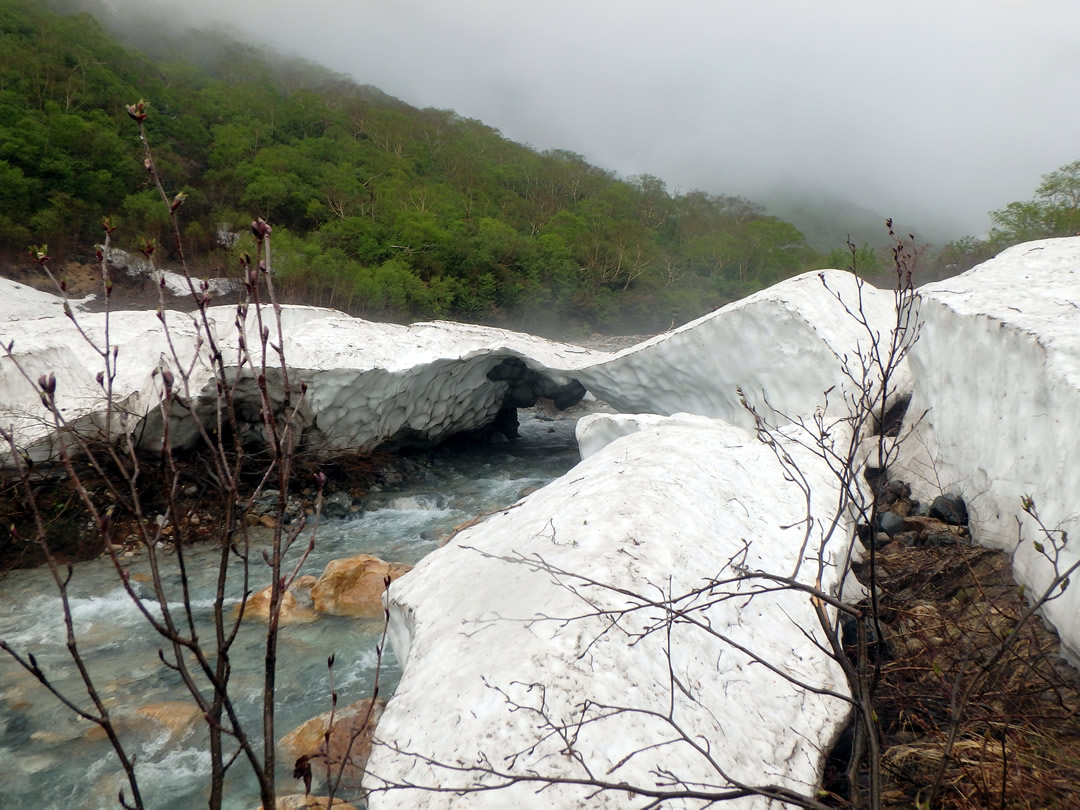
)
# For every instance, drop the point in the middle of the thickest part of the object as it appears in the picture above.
(53, 759)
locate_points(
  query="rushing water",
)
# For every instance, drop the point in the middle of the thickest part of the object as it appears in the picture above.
(53, 759)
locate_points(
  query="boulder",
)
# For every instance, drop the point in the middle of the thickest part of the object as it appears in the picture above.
(890, 523)
(180, 717)
(949, 509)
(352, 731)
(354, 586)
(300, 801)
(296, 603)
(339, 505)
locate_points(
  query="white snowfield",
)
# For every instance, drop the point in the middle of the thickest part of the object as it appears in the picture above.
(177, 284)
(20, 302)
(997, 369)
(368, 383)
(372, 383)
(784, 346)
(657, 503)
(498, 670)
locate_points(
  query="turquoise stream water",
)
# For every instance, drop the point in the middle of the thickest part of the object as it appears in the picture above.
(49, 758)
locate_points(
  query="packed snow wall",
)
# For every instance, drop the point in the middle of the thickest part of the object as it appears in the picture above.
(997, 373)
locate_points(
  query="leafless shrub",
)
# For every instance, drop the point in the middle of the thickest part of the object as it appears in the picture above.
(109, 470)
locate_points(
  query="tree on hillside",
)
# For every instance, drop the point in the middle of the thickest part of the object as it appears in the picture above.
(1055, 211)
(346, 169)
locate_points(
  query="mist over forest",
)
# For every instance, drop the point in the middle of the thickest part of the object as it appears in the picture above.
(933, 114)
(479, 205)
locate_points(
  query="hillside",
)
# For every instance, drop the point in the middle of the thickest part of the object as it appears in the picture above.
(378, 208)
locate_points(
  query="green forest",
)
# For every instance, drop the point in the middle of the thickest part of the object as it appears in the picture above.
(379, 209)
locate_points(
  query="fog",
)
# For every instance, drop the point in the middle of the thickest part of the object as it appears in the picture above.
(932, 112)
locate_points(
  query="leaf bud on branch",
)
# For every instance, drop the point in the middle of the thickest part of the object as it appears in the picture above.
(260, 228)
(137, 111)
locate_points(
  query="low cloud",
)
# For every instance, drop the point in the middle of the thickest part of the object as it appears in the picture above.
(931, 112)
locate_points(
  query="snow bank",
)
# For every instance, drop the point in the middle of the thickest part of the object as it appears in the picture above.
(19, 302)
(371, 384)
(661, 509)
(176, 283)
(997, 368)
(52, 345)
(787, 342)
(368, 383)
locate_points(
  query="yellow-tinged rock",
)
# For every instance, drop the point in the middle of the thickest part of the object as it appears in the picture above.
(354, 586)
(298, 801)
(179, 716)
(295, 603)
(354, 726)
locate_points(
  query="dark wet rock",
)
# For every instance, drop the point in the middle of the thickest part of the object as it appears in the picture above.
(907, 539)
(16, 730)
(894, 417)
(950, 509)
(940, 539)
(897, 490)
(863, 533)
(877, 649)
(339, 505)
(890, 523)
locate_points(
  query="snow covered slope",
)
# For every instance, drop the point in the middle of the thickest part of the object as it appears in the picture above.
(47, 344)
(371, 383)
(368, 383)
(997, 367)
(21, 302)
(786, 342)
(478, 625)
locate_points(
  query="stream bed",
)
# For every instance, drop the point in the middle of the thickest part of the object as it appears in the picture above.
(55, 760)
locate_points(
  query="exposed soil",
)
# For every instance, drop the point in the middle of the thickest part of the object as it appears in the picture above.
(72, 534)
(84, 279)
(945, 610)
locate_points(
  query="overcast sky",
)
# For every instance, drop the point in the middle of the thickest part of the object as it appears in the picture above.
(926, 111)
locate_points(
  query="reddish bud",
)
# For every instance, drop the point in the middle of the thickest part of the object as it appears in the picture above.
(178, 200)
(107, 225)
(39, 254)
(137, 111)
(260, 228)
